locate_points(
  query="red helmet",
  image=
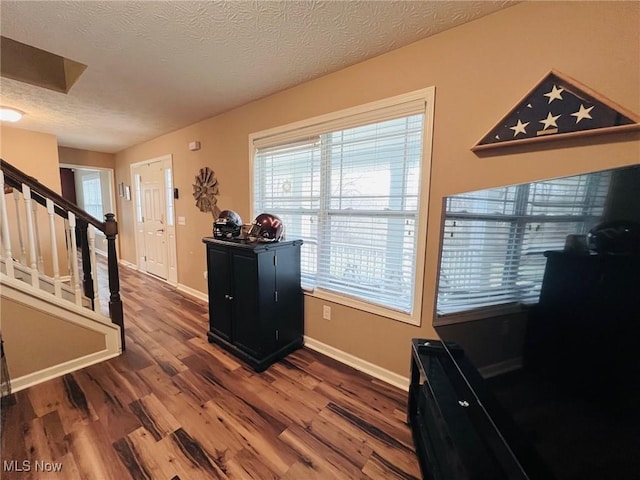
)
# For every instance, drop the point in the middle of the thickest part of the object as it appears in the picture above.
(267, 228)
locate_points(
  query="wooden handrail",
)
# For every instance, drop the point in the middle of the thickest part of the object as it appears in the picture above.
(15, 178)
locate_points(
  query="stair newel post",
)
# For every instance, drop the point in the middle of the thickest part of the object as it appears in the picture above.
(87, 280)
(115, 303)
(91, 233)
(23, 250)
(75, 276)
(33, 261)
(57, 288)
(6, 234)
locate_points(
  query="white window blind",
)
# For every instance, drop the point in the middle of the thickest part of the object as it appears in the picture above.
(92, 195)
(494, 239)
(350, 189)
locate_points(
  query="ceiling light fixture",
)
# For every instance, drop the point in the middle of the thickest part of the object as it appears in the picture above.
(8, 114)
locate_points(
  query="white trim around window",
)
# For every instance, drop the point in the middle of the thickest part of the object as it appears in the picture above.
(298, 147)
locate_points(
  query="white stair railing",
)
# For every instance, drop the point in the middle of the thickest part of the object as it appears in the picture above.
(23, 250)
(7, 256)
(73, 259)
(33, 262)
(80, 234)
(57, 284)
(36, 230)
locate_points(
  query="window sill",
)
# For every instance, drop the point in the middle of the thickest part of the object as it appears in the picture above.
(363, 306)
(479, 314)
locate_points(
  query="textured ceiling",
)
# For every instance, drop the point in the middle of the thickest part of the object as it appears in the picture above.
(154, 67)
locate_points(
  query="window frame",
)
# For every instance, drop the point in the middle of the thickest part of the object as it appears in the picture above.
(352, 117)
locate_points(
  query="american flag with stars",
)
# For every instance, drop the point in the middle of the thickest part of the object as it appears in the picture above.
(553, 108)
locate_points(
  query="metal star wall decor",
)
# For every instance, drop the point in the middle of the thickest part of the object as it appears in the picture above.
(205, 190)
(558, 107)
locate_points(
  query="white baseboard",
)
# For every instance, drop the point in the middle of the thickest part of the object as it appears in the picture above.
(369, 368)
(35, 378)
(192, 292)
(500, 368)
(124, 263)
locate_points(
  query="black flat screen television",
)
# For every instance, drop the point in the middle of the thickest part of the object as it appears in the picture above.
(539, 285)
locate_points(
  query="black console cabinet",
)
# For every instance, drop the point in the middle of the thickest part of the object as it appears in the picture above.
(255, 299)
(453, 418)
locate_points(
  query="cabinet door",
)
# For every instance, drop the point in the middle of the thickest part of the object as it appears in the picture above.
(220, 291)
(247, 328)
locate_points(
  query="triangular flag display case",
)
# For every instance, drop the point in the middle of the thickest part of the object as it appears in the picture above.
(558, 107)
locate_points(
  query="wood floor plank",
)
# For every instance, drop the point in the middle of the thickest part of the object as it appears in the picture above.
(193, 418)
(175, 407)
(54, 432)
(256, 434)
(387, 447)
(204, 349)
(247, 466)
(355, 449)
(109, 410)
(94, 454)
(154, 417)
(364, 411)
(320, 456)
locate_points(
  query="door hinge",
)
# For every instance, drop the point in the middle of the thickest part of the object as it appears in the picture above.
(276, 295)
(145, 258)
(277, 335)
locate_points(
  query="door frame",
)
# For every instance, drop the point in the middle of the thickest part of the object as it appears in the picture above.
(112, 194)
(172, 263)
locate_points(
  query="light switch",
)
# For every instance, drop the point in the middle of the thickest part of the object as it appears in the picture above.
(182, 221)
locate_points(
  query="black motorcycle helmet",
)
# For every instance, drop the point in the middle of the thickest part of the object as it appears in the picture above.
(618, 237)
(228, 225)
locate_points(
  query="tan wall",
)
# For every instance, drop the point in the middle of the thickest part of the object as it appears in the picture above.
(480, 71)
(35, 340)
(87, 158)
(36, 154)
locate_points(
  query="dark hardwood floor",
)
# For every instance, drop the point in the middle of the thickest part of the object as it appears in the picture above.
(174, 406)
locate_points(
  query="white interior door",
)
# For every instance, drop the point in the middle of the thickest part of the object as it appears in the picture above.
(152, 191)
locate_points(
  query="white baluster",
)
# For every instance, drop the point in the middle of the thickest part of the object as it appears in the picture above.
(91, 232)
(35, 276)
(6, 234)
(34, 205)
(75, 278)
(23, 250)
(57, 288)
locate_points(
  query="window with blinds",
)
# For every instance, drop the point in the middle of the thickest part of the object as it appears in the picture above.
(494, 240)
(92, 195)
(352, 194)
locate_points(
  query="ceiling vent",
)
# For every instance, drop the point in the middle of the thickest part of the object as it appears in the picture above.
(31, 65)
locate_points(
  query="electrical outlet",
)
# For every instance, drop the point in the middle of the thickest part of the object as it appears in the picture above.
(326, 312)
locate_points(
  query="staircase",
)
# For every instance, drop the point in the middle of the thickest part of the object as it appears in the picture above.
(48, 264)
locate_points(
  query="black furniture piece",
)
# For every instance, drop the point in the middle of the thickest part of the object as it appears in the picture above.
(460, 432)
(255, 299)
(588, 303)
